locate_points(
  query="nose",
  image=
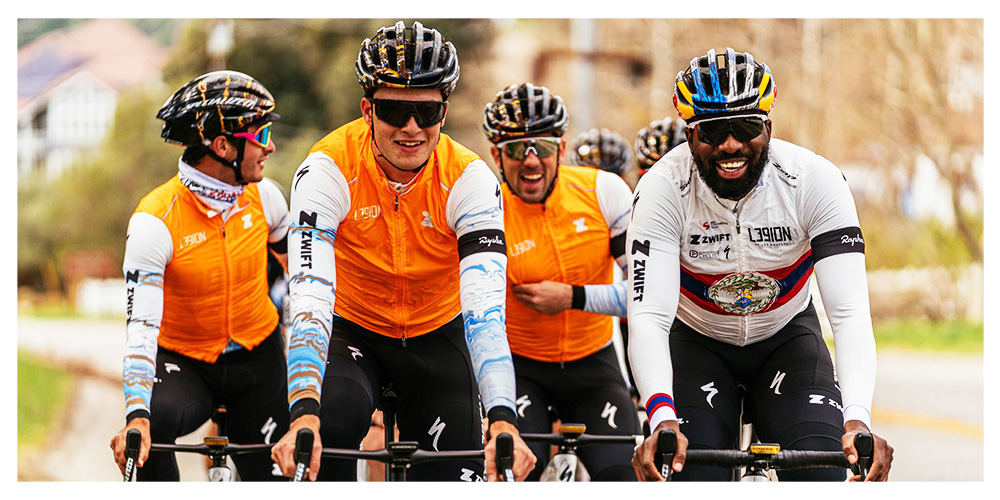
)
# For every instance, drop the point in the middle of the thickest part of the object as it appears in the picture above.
(411, 126)
(532, 159)
(730, 144)
(271, 147)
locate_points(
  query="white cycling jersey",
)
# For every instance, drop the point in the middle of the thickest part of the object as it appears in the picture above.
(742, 268)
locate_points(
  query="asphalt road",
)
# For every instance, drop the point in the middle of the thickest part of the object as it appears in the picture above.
(928, 406)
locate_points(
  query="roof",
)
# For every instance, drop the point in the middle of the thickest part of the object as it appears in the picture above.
(112, 50)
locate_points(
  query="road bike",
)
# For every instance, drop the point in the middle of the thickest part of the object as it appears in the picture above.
(565, 465)
(761, 458)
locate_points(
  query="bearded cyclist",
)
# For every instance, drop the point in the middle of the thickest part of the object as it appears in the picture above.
(202, 330)
(397, 274)
(565, 226)
(727, 230)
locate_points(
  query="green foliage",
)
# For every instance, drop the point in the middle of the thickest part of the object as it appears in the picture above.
(943, 336)
(894, 242)
(42, 393)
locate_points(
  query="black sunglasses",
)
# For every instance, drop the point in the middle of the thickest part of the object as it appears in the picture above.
(715, 130)
(397, 113)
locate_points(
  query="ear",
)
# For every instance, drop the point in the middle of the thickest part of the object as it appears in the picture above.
(768, 125)
(221, 146)
(688, 133)
(495, 152)
(367, 110)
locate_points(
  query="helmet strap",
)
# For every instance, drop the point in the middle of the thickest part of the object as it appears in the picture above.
(240, 144)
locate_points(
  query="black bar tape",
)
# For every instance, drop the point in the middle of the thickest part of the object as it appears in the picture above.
(304, 406)
(487, 240)
(502, 413)
(279, 247)
(579, 297)
(838, 241)
(618, 246)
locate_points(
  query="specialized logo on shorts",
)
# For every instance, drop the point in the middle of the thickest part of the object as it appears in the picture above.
(171, 367)
(436, 429)
(268, 429)
(580, 227)
(776, 383)
(609, 413)
(522, 404)
(355, 352)
(712, 391)
(744, 293)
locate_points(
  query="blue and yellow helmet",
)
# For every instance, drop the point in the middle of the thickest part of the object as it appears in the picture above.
(712, 85)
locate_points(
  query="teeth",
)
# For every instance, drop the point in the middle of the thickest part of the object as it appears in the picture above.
(732, 165)
(532, 177)
(416, 143)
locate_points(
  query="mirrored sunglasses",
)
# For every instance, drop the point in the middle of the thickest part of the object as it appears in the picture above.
(518, 149)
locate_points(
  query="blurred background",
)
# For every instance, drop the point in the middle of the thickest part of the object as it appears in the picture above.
(897, 104)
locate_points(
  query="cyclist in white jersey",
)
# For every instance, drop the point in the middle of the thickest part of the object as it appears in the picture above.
(726, 231)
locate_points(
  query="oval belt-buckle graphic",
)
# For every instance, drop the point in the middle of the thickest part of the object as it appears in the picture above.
(744, 293)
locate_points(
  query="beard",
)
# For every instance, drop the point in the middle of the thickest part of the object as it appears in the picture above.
(732, 189)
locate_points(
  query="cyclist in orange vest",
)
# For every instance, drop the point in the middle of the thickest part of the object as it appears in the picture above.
(565, 230)
(202, 329)
(397, 274)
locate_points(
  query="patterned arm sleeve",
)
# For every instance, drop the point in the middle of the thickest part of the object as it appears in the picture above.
(615, 199)
(320, 200)
(653, 250)
(148, 250)
(475, 213)
(838, 248)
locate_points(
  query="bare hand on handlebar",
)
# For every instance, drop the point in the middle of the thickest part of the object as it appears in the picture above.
(118, 442)
(644, 459)
(283, 453)
(878, 470)
(524, 460)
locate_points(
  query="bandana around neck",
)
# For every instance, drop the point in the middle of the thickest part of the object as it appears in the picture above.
(215, 193)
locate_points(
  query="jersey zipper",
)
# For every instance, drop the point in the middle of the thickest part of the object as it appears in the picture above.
(397, 257)
(225, 280)
(562, 277)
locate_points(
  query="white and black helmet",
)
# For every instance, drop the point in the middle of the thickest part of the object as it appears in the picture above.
(525, 109)
(603, 149)
(401, 57)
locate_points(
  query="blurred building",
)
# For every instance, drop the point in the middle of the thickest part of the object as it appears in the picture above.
(68, 83)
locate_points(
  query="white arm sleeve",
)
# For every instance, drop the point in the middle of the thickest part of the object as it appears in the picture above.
(148, 250)
(831, 220)
(475, 213)
(653, 249)
(275, 210)
(320, 201)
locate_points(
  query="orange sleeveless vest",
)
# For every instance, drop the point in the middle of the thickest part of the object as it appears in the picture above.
(566, 240)
(215, 285)
(397, 259)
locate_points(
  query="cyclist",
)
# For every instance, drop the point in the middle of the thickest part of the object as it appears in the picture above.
(603, 149)
(726, 232)
(654, 140)
(397, 269)
(565, 225)
(202, 330)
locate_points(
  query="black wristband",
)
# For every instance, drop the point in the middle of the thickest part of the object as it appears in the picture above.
(136, 414)
(304, 406)
(502, 413)
(579, 297)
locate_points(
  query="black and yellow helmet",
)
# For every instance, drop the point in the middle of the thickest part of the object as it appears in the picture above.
(712, 85)
(401, 57)
(220, 102)
(603, 149)
(653, 141)
(525, 109)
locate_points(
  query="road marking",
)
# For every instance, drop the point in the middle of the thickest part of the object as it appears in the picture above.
(889, 416)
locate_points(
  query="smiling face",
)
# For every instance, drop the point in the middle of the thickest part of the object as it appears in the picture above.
(532, 177)
(401, 151)
(252, 167)
(733, 167)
